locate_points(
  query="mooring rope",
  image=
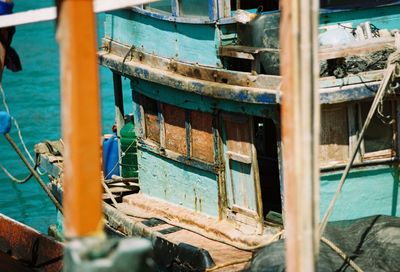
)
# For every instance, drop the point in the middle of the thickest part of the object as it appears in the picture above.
(34, 162)
(341, 253)
(16, 125)
(35, 173)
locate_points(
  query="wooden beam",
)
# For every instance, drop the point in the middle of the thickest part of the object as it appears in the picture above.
(118, 102)
(50, 13)
(356, 48)
(300, 131)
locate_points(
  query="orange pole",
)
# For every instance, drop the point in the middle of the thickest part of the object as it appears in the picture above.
(80, 119)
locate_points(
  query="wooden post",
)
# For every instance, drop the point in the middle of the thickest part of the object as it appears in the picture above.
(118, 101)
(80, 119)
(300, 131)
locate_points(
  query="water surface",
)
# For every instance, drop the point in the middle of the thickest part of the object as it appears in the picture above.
(33, 96)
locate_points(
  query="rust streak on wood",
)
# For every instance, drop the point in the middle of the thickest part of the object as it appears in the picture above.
(175, 131)
(202, 137)
(151, 121)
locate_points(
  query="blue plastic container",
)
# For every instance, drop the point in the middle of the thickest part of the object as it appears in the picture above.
(110, 157)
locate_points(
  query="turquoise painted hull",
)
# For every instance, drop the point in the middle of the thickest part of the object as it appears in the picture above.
(192, 43)
(177, 183)
(368, 191)
(198, 43)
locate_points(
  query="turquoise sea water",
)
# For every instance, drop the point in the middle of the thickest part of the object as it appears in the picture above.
(33, 96)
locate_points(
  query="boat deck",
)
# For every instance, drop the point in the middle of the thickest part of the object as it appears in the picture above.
(169, 237)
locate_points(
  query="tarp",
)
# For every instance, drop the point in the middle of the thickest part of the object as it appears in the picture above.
(373, 243)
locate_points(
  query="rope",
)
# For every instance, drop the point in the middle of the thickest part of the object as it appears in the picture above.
(13, 178)
(16, 124)
(392, 62)
(6, 172)
(123, 61)
(343, 255)
(34, 173)
(215, 268)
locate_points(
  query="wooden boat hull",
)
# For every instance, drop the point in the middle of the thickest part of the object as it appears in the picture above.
(25, 249)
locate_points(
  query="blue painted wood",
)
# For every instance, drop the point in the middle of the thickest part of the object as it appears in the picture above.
(199, 102)
(369, 191)
(178, 183)
(349, 93)
(213, 9)
(381, 17)
(241, 179)
(175, 7)
(184, 42)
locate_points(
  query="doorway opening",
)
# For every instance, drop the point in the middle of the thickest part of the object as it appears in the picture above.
(268, 165)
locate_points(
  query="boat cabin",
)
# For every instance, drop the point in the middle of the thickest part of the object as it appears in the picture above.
(212, 156)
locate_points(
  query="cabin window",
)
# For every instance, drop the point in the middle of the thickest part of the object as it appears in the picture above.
(184, 132)
(341, 125)
(151, 118)
(260, 5)
(193, 8)
(334, 137)
(175, 128)
(202, 137)
(162, 5)
(378, 139)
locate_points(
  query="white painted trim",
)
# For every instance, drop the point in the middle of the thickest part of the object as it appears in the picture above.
(50, 13)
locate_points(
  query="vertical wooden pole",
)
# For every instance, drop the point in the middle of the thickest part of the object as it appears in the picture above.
(300, 131)
(80, 119)
(118, 101)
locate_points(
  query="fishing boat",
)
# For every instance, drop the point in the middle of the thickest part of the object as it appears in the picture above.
(199, 166)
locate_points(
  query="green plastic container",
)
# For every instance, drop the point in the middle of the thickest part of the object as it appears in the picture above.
(129, 166)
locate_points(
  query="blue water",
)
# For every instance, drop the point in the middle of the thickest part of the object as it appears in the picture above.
(33, 96)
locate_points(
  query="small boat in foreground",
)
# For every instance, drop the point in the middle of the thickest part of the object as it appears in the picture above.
(24, 249)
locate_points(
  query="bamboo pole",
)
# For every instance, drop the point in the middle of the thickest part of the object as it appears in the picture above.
(50, 13)
(300, 131)
(80, 119)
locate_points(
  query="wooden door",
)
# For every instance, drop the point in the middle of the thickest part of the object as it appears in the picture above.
(240, 178)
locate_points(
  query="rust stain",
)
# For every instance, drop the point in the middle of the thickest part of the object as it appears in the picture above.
(202, 137)
(152, 122)
(175, 130)
(24, 243)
